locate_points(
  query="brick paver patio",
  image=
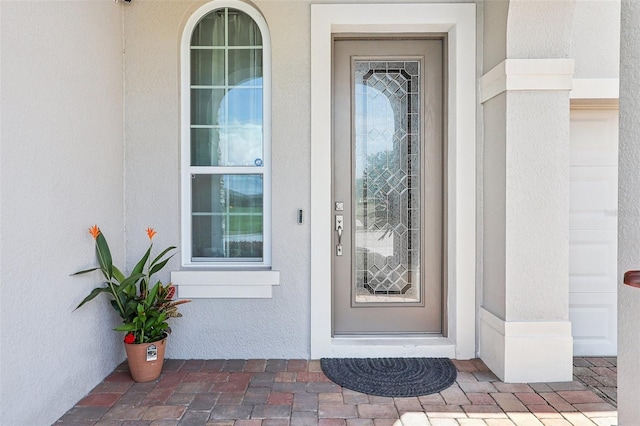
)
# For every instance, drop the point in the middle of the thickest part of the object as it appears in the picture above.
(295, 392)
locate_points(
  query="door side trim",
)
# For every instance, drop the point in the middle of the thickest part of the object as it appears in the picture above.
(458, 22)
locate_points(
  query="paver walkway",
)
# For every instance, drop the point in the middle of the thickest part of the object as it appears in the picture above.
(296, 392)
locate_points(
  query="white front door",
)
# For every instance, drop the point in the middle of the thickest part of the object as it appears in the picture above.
(593, 231)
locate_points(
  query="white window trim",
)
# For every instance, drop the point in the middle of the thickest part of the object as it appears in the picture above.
(185, 64)
(225, 284)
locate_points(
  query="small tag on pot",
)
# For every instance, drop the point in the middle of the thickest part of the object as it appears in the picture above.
(152, 353)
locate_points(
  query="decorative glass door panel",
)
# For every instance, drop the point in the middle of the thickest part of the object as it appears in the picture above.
(387, 181)
(388, 186)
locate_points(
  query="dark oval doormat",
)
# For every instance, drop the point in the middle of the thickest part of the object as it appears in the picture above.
(395, 377)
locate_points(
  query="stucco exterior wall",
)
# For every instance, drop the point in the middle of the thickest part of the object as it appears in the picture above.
(539, 29)
(494, 208)
(595, 39)
(227, 328)
(629, 216)
(494, 50)
(60, 172)
(537, 199)
(522, 266)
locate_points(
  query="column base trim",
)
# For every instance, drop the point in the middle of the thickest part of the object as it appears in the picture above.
(526, 351)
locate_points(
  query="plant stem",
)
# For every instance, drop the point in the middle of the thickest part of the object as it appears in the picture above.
(115, 296)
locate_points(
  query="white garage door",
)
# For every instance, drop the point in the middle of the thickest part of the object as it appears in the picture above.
(593, 231)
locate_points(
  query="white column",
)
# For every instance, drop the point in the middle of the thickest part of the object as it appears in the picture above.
(525, 333)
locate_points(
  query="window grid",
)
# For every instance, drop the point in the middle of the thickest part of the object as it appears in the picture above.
(262, 169)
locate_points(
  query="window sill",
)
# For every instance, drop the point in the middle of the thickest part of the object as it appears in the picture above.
(225, 284)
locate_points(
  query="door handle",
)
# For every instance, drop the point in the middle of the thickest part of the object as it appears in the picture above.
(339, 230)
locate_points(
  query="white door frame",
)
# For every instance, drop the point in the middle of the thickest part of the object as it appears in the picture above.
(458, 21)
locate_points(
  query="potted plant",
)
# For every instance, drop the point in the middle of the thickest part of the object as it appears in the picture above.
(144, 307)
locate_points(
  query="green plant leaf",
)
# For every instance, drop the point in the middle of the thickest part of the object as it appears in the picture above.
(116, 307)
(130, 310)
(140, 265)
(127, 288)
(148, 325)
(104, 256)
(85, 271)
(152, 296)
(160, 265)
(96, 291)
(117, 274)
(158, 257)
(130, 280)
(129, 291)
(125, 327)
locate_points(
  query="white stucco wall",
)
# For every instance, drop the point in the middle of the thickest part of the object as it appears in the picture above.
(539, 29)
(227, 328)
(629, 216)
(60, 172)
(494, 208)
(537, 199)
(494, 14)
(595, 38)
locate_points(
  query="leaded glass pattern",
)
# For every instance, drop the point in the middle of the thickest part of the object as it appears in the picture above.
(387, 181)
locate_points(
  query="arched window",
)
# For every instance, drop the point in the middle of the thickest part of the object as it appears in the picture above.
(226, 152)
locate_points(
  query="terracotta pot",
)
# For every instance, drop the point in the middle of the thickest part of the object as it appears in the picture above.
(145, 359)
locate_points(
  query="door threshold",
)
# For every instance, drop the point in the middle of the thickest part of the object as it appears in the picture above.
(392, 346)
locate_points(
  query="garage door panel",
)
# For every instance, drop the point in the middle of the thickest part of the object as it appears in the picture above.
(594, 137)
(592, 261)
(593, 201)
(593, 231)
(593, 322)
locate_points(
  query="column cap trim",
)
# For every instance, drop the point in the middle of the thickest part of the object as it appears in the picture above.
(527, 74)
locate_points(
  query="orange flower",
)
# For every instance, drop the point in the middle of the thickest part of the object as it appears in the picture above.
(151, 233)
(94, 231)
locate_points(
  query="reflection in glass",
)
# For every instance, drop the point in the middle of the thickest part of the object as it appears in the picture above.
(244, 65)
(234, 136)
(387, 188)
(227, 217)
(226, 91)
(205, 105)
